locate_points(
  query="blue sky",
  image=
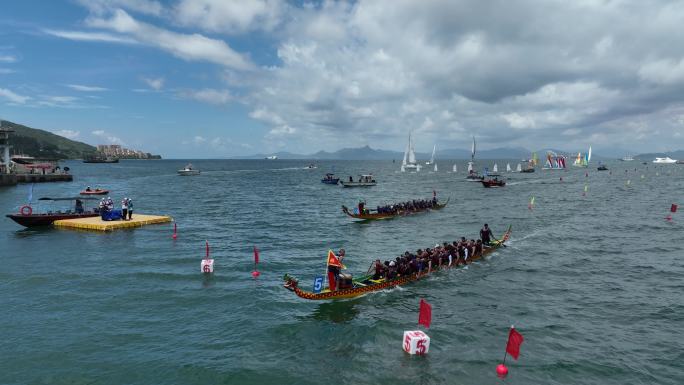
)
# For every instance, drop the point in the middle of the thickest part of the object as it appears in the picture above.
(221, 78)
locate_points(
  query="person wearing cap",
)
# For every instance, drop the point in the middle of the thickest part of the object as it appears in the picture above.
(124, 208)
(486, 234)
(129, 202)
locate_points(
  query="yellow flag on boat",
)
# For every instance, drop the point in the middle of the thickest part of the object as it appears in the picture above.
(334, 261)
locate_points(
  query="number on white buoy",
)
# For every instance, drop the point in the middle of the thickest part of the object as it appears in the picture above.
(207, 265)
(416, 342)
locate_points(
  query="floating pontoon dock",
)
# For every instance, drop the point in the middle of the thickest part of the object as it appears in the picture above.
(97, 224)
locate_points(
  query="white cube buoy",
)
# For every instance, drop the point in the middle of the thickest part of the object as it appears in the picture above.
(416, 342)
(207, 266)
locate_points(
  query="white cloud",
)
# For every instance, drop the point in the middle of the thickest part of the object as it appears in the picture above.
(208, 95)
(515, 120)
(230, 16)
(107, 137)
(154, 8)
(198, 140)
(70, 134)
(13, 97)
(192, 47)
(154, 83)
(663, 72)
(80, 87)
(90, 36)
(7, 59)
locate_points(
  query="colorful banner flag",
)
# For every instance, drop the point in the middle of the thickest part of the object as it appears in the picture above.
(515, 339)
(333, 260)
(425, 314)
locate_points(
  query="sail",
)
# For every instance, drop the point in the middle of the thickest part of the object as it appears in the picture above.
(496, 168)
(432, 158)
(589, 155)
(411, 152)
(470, 167)
(535, 159)
(519, 168)
(435, 167)
(403, 162)
(508, 167)
(454, 169)
(472, 151)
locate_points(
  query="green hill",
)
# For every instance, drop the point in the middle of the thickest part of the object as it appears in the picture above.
(44, 144)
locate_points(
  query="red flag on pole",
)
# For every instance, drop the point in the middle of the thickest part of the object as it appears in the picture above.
(673, 208)
(425, 314)
(207, 242)
(256, 255)
(515, 339)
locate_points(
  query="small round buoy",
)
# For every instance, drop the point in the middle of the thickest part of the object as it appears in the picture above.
(501, 370)
(255, 274)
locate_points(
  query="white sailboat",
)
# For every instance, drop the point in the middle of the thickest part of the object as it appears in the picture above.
(519, 168)
(432, 158)
(454, 169)
(435, 167)
(508, 167)
(472, 174)
(409, 161)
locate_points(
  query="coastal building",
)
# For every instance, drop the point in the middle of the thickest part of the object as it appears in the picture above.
(117, 151)
(26, 169)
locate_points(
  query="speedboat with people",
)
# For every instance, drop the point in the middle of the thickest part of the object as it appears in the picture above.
(188, 170)
(394, 210)
(95, 191)
(78, 209)
(404, 269)
(329, 178)
(494, 182)
(366, 180)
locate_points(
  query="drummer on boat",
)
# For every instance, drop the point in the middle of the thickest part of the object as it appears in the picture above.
(486, 235)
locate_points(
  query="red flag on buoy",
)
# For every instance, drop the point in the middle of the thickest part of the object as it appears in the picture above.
(673, 208)
(425, 314)
(256, 256)
(515, 339)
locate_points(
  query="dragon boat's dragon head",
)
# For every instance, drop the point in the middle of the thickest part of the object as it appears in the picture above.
(290, 282)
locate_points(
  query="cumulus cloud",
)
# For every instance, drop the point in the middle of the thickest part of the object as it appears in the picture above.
(208, 95)
(154, 83)
(107, 137)
(229, 16)
(192, 47)
(13, 97)
(70, 134)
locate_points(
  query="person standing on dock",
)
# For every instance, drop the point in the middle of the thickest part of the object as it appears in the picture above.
(124, 208)
(130, 208)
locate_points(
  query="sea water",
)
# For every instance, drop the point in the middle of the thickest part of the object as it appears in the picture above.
(593, 282)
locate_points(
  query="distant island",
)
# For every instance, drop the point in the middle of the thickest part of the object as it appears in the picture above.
(43, 144)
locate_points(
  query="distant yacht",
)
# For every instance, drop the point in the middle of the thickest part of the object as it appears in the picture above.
(272, 157)
(664, 160)
(627, 158)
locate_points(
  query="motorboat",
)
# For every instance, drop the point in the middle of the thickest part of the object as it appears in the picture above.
(665, 160)
(96, 191)
(329, 178)
(364, 181)
(27, 218)
(188, 170)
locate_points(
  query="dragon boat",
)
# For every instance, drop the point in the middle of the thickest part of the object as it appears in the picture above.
(367, 215)
(366, 284)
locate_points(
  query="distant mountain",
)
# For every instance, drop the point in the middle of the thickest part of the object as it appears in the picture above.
(44, 144)
(368, 153)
